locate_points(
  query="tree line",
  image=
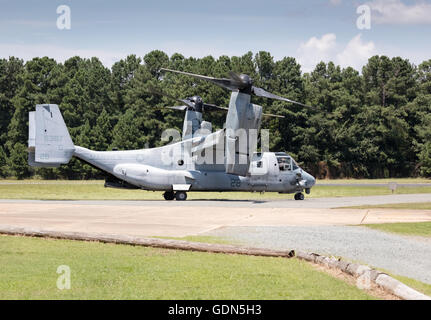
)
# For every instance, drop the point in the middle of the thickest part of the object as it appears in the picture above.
(370, 124)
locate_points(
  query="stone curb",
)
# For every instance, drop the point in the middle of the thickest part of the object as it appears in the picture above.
(383, 280)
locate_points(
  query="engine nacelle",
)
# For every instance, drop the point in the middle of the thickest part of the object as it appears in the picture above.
(242, 126)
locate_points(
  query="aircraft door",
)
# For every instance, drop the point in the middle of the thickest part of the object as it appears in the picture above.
(285, 167)
(259, 174)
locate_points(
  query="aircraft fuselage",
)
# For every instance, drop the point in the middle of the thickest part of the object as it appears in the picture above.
(164, 169)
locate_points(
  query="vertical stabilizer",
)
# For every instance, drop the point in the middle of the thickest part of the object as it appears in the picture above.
(49, 140)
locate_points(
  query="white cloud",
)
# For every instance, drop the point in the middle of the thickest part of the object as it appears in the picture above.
(315, 50)
(396, 12)
(355, 54)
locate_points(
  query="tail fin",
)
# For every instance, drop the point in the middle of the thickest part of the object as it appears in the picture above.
(49, 140)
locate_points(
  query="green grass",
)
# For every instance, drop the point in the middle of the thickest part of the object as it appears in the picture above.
(108, 271)
(64, 190)
(94, 190)
(420, 286)
(422, 229)
(352, 191)
(386, 181)
(424, 288)
(411, 206)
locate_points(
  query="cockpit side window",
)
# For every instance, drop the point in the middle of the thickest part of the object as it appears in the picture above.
(284, 163)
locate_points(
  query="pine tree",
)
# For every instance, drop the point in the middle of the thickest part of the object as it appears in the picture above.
(17, 161)
(3, 162)
(101, 134)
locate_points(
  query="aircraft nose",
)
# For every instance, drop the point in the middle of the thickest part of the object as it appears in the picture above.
(311, 181)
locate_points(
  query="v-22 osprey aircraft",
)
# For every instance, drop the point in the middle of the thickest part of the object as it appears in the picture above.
(202, 161)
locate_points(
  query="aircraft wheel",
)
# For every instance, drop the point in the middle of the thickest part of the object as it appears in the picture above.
(299, 196)
(169, 195)
(180, 195)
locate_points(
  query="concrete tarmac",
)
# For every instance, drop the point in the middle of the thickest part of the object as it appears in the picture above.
(178, 219)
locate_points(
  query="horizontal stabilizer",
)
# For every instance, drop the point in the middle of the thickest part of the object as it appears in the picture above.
(32, 162)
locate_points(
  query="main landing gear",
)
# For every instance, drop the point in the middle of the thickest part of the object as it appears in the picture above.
(299, 196)
(169, 195)
(179, 195)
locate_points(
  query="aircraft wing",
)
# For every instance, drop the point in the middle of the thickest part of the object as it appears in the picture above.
(212, 140)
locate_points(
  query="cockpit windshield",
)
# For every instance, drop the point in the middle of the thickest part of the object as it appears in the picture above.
(294, 165)
(286, 162)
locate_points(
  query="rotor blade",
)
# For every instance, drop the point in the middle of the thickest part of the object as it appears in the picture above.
(181, 108)
(215, 107)
(222, 82)
(273, 115)
(187, 102)
(161, 93)
(235, 76)
(262, 93)
(237, 79)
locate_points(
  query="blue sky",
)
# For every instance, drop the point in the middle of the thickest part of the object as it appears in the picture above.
(310, 31)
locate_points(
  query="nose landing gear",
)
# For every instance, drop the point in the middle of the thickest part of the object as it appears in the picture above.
(299, 196)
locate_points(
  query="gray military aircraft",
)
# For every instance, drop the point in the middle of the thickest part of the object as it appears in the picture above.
(225, 160)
